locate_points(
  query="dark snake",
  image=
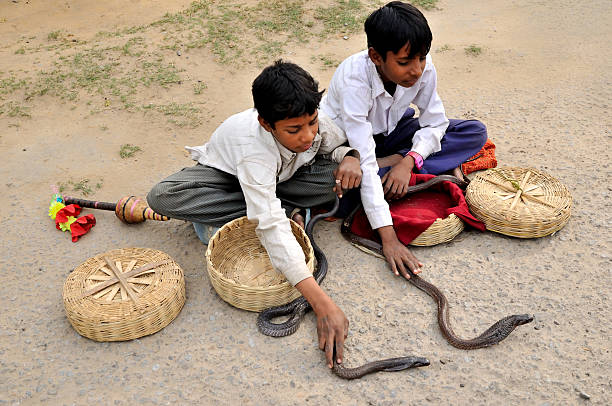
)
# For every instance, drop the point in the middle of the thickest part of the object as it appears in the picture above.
(297, 308)
(491, 336)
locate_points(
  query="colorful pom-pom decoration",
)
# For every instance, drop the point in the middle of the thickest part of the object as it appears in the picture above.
(66, 217)
(65, 226)
(54, 207)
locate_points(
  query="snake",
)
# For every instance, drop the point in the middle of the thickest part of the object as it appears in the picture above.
(298, 307)
(491, 336)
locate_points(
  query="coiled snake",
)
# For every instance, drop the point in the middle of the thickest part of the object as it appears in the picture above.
(297, 308)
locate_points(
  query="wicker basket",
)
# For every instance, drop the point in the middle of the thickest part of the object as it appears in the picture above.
(442, 230)
(124, 294)
(540, 207)
(240, 269)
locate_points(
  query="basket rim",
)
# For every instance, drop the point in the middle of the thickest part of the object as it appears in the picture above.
(253, 289)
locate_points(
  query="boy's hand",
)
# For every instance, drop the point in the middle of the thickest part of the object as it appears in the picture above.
(396, 181)
(348, 175)
(332, 324)
(332, 330)
(399, 257)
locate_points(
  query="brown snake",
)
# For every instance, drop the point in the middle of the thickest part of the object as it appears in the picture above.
(297, 308)
(493, 335)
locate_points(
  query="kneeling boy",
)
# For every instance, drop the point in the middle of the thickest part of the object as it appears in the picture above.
(262, 163)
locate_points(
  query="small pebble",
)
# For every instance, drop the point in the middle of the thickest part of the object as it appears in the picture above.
(584, 395)
(178, 52)
(345, 37)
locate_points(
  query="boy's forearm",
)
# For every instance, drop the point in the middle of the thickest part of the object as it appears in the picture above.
(387, 234)
(312, 292)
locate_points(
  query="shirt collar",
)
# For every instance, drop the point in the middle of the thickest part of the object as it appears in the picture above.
(287, 155)
(378, 87)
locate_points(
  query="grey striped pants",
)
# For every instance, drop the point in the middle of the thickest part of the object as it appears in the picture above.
(203, 194)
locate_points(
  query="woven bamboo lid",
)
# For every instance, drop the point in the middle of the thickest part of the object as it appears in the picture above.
(240, 269)
(442, 230)
(520, 202)
(124, 294)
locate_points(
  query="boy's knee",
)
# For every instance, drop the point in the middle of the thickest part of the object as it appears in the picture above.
(155, 197)
(480, 130)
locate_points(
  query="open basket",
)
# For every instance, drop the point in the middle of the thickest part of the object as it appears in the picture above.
(240, 269)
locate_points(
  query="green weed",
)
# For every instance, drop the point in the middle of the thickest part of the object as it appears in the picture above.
(13, 109)
(346, 16)
(199, 87)
(473, 50)
(424, 4)
(444, 48)
(54, 35)
(328, 60)
(82, 186)
(128, 150)
(181, 115)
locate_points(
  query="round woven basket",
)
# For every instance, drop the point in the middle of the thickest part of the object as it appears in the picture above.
(442, 230)
(520, 202)
(147, 294)
(240, 269)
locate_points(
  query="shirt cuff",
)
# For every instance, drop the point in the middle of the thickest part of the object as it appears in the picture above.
(341, 151)
(421, 149)
(298, 274)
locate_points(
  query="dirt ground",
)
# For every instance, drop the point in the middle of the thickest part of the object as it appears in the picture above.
(539, 76)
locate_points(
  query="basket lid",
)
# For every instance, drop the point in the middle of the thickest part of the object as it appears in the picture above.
(520, 202)
(124, 294)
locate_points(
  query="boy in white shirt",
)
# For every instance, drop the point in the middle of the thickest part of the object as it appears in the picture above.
(369, 97)
(262, 163)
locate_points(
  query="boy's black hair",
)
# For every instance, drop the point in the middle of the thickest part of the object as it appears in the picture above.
(393, 26)
(284, 90)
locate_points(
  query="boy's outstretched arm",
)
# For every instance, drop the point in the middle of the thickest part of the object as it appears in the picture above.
(398, 255)
(332, 324)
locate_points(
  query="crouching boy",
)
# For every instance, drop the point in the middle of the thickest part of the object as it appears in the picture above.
(264, 163)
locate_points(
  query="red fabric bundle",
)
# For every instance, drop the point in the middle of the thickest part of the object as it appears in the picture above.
(416, 212)
(80, 226)
(484, 159)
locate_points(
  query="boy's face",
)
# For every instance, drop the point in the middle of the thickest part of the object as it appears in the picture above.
(399, 68)
(295, 134)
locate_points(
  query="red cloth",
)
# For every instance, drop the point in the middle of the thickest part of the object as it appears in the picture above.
(72, 210)
(81, 226)
(486, 159)
(416, 212)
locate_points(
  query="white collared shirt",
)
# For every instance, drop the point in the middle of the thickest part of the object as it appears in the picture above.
(242, 147)
(359, 104)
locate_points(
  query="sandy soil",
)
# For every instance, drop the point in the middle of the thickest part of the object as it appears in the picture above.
(542, 85)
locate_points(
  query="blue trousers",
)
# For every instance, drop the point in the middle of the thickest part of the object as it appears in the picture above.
(462, 140)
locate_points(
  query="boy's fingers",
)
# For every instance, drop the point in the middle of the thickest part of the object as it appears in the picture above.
(339, 348)
(403, 270)
(329, 353)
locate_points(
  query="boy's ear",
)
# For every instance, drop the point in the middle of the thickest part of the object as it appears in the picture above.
(264, 124)
(375, 56)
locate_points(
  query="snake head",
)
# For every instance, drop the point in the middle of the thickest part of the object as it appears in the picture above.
(520, 319)
(399, 364)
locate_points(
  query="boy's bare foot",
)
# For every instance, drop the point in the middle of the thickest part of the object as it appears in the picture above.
(457, 173)
(299, 219)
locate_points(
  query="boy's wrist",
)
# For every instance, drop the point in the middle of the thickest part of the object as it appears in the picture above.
(387, 234)
(312, 292)
(417, 159)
